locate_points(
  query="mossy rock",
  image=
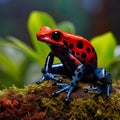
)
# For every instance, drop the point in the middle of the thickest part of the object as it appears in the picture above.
(35, 102)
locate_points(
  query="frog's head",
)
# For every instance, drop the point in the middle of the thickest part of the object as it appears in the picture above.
(50, 36)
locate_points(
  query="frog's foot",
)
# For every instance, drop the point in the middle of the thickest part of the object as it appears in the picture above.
(73, 83)
(106, 90)
(48, 76)
(65, 87)
(100, 90)
(94, 88)
(41, 80)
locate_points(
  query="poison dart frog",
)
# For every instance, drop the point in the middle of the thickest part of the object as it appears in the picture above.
(78, 62)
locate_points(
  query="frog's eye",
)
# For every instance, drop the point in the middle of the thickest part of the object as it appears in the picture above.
(56, 35)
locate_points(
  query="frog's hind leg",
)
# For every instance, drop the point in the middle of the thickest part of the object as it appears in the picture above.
(105, 85)
(77, 76)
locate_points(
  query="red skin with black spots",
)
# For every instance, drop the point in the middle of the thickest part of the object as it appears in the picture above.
(79, 62)
(80, 49)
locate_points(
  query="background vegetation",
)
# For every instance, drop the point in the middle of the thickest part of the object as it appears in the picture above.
(90, 17)
(20, 64)
(22, 56)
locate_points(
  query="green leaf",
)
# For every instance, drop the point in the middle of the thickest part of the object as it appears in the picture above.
(9, 69)
(6, 59)
(13, 63)
(25, 48)
(7, 65)
(35, 21)
(67, 27)
(6, 80)
(33, 73)
(104, 46)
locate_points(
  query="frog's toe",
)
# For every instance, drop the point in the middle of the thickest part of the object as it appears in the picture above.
(108, 97)
(62, 85)
(64, 88)
(67, 88)
(41, 80)
(66, 99)
(60, 81)
(86, 90)
(54, 94)
(38, 82)
(99, 93)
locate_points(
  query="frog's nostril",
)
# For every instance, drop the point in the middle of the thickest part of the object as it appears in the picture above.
(42, 36)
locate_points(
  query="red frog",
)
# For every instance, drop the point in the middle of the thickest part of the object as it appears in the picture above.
(78, 62)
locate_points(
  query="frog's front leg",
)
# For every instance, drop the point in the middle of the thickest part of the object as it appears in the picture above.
(76, 77)
(47, 68)
(51, 71)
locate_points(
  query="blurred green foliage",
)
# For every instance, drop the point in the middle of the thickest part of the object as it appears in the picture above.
(12, 64)
(104, 46)
(21, 64)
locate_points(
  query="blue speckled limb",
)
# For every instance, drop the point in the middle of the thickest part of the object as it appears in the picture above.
(78, 74)
(105, 85)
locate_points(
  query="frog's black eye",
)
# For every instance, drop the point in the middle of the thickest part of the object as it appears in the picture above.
(56, 35)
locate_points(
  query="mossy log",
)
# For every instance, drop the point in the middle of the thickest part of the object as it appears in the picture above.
(35, 102)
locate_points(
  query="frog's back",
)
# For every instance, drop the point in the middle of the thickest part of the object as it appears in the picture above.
(82, 49)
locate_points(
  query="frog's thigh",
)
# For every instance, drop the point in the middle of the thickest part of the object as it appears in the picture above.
(77, 76)
(58, 69)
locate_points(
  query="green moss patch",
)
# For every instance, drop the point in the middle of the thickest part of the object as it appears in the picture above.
(35, 102)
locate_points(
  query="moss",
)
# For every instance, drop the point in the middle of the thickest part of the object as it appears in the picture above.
(35, 102)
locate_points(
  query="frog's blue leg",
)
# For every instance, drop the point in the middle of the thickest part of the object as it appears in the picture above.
(45, 70)
(108, 90)
(77, 76)
(105, 79)
(54, 71)
(105, 85)
(108, 85)
(94, 88)
(50, 71)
